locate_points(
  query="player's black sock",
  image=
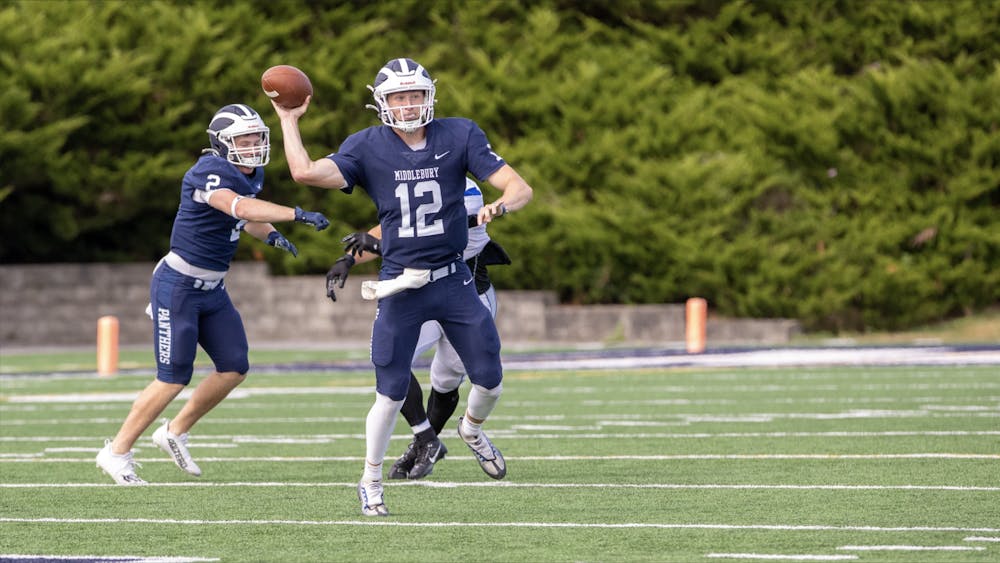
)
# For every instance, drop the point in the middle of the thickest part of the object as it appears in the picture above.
(413, 407)
(440, 407)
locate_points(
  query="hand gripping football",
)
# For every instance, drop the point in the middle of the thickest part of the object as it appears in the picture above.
(286, 85)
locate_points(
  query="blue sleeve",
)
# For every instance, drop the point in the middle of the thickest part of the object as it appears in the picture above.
(483, 162)
(348, 160)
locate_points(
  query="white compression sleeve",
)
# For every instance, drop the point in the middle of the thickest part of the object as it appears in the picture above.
(379, 425)
(482, 401)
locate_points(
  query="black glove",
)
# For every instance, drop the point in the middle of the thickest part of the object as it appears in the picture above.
(358, 243)
(314, 218)
(338, 275)
(278, 240)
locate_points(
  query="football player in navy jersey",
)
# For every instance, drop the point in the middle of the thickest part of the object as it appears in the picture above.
(414, 167)
(447, 371)
(189, 304)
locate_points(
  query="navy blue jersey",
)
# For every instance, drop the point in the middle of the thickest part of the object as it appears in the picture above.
(419, 195)
(202, 235)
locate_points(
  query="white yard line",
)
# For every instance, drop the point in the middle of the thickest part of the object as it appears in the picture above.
(32, 458)
(68, 402)
(103, 398)
(965, 411)
(392, 523)
(516, 485)
(909, 548)
(129, 396)
(982, 538)
(105, 558)
(781, 556)
(323, 438)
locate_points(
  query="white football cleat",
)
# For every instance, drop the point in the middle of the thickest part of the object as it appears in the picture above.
(121, 467)
(176, 447)
(489, 457)
(370, 495)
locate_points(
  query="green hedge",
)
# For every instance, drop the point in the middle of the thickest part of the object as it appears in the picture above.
(831, 161)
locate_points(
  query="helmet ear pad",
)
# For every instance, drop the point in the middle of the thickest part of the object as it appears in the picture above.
(235, 120)
(403, 75)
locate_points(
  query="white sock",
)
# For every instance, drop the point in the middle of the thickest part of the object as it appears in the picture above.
(372, 473)
(470, 428)
(421, 427)
(378, 429)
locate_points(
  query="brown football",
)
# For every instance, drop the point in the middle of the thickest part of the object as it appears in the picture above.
(286, 85)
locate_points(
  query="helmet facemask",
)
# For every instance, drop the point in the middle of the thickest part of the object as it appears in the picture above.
(403, 75)
(233, 122)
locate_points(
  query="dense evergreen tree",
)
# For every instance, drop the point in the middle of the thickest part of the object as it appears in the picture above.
(833, 161)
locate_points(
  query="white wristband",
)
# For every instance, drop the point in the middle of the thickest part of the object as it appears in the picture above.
(232, 207)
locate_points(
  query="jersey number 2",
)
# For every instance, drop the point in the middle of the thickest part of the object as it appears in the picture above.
(414, 222)
(213, 182)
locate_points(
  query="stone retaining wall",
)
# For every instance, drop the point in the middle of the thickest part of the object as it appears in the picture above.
(59, 304)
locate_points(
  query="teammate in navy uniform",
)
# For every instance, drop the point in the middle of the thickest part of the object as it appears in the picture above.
(414, 168)
(447, 371)
(189, 304)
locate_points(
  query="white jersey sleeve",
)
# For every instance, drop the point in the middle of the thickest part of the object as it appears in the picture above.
(477, 235)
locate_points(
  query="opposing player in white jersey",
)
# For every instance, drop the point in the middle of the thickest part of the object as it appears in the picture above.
(447, 370)
(189, 304)
(414, 167)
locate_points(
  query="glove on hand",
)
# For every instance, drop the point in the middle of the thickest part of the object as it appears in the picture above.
(358, 243)
(278, 240)
(338, 275)
(314, 218)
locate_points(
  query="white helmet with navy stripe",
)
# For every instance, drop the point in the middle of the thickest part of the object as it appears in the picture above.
(236, 120)
(403, 75)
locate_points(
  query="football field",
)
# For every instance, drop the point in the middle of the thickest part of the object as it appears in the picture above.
(676, 463)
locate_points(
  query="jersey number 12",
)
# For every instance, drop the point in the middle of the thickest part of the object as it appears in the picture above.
(413, 223)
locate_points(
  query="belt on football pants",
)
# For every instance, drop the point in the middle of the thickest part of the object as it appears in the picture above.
(199, 278)
(444, 271)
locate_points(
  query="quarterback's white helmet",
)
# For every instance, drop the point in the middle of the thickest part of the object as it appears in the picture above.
(234, 121)
(403, 75)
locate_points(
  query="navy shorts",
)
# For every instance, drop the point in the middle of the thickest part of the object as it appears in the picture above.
(186, 314)
(453, 302)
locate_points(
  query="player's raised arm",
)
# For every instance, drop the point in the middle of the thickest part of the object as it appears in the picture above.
(322, 173)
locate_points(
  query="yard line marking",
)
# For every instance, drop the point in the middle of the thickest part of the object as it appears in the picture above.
(515, 485)
(267, 420)
(317, 438)
(682, 457)
(241, 393)
(108, 558)
(910, 548)
(389, 523)
(982, 538)
(76, 402)
(807, 557)
(674, 419)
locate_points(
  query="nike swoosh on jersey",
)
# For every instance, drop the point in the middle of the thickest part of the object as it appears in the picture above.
(468, 281)
(442, 155)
